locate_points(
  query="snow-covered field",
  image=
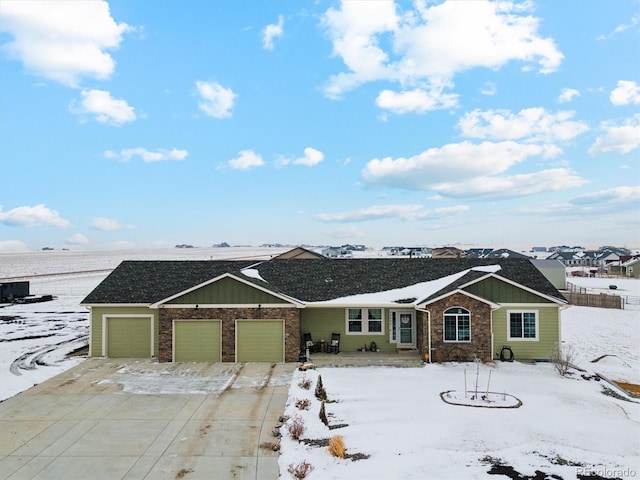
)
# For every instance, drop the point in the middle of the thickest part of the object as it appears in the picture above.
(395, 417)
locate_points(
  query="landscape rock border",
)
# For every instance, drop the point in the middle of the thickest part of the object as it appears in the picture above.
(487, 405)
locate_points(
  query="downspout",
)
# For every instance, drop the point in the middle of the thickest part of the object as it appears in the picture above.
(492, 339)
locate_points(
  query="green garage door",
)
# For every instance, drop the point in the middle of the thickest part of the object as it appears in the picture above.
(129, 337)
(196, 341)
(259, 341)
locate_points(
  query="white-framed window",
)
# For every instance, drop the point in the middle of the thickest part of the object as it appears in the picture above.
(361, 321)
(457, 325)
(522, 325)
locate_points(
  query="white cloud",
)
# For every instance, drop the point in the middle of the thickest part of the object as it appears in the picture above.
(456, 162)
(77, 239)
(148, 156)
(215, 100)
(532, 124)
(489, 89)
(271, 32)
(568, 94)
(417, 100)
(403, 212)
(12, 246)
(311, 157)
(247, 159)
(432, 43)
(510, 186)
(613, 197)
(104, 107)
(609, 201)
(32, 217)
(625, 93)
(467, 170)
(354, 28)
(618, 138)
(108, 224)
(635, 20)
(62, 41)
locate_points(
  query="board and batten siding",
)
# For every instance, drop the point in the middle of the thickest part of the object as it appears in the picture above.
(548, 332)
(498, 291)
(226, 291)
(321, 322)
(101, 314)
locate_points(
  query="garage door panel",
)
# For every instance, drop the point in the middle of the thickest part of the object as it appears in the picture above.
(197, 341)
(129, 337)
(259, 341)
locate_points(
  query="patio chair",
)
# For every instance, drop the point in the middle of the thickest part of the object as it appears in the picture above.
(334, 344)
(310, 344)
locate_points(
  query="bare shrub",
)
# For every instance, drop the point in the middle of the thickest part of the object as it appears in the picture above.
(303, 404)
(562, 357)
(301, 470)
(323, 415)
(305, 383)
(336, 446)
(296, 428)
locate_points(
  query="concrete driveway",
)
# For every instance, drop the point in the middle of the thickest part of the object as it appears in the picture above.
(132, 419)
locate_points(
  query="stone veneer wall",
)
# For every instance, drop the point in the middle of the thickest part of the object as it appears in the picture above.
(422, 329)
(480, 344)
(228, 316)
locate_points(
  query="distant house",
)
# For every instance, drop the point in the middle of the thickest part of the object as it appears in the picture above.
(553, 270)
(505, 253)
(335, 252)
(447, 252)
(298, 252)
(632, 267)
(242, 311)
(574, 259)
(478, 252)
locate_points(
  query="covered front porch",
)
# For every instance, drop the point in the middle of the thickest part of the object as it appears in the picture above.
(401, 359)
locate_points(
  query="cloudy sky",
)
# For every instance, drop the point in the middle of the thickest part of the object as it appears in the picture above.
(148, 124)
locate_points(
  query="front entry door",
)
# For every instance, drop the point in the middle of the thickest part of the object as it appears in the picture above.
(406, 330)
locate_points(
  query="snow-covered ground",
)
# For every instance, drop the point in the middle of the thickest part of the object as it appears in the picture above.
(566, 426)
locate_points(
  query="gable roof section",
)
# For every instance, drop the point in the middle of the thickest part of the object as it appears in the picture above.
(465, 284)
(149, 282)
(268, 297)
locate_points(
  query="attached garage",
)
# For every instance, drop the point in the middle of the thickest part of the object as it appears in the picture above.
(197, 341)
(129, 337)
(259, 341)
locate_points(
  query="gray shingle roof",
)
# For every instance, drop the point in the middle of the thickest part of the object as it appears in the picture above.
(147, 282)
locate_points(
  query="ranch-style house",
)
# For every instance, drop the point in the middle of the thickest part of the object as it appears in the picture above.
(240, 311)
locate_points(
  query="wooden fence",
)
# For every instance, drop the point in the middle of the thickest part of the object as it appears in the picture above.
(594, 300)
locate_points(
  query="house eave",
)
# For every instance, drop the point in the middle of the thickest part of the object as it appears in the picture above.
(515, 284)
(229, 305)
(108, 305)
(333, 304)
(423, 304)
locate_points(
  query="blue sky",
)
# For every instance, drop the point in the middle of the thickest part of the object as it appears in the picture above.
(149, 124)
